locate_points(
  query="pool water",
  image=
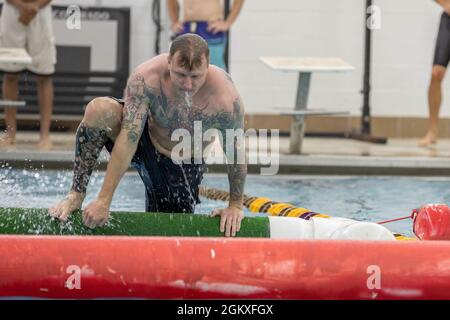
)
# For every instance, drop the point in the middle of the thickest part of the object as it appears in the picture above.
(360, 198)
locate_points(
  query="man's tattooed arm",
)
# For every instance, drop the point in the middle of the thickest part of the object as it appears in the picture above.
(136, 108)
(134, 117)
(236, 177)
(235, 142)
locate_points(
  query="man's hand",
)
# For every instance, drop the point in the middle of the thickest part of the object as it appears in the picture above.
(217, 26)
(230, 220)
(27, 12)
(96, 214)
(66, 206)
(177, 27)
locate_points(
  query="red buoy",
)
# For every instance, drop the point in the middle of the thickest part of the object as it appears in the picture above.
(432, 222)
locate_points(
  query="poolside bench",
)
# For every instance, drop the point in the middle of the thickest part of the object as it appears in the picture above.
(14, 56)
(305, 67)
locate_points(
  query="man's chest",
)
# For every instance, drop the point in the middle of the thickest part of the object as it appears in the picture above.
(173, 115)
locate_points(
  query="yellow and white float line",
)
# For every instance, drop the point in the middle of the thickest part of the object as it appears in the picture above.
(333, 228)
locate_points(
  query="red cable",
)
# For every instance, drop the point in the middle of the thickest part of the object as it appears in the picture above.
(398, 219)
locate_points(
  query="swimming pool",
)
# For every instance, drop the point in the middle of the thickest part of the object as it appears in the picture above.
(360, 198)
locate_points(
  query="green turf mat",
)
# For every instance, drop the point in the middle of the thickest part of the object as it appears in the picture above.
(38, 221)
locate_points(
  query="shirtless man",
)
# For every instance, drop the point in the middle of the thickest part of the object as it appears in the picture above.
(441, 59)
(168, 92)
(204, 18)
(28, 24)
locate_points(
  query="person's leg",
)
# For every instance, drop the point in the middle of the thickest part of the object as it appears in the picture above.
(217, 54)
(10, 92)
(101, 122)
(434, 105)
(45, 95)
(41, 47)
(440, 62)
(12, 35)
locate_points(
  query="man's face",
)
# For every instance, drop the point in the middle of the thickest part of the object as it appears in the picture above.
(189, 81)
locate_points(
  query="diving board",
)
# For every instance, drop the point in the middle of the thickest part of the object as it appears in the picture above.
(305, 67)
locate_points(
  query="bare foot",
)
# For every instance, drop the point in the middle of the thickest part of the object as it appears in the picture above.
(429, 139)
(66, 206)
(45, 144)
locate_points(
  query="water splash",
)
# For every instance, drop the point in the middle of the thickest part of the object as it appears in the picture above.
(360, 198)
(188, 99)
(188, 185)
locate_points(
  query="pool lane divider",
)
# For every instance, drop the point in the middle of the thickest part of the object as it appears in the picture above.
(273, 208)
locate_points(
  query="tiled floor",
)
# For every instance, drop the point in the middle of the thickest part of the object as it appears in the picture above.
(316, 151)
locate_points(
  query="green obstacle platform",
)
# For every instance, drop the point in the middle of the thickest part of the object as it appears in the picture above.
(39, 222)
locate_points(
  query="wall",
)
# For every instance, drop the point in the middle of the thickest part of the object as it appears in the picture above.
(142, 27)
(402, 51)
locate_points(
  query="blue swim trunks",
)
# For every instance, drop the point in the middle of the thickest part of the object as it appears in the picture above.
(170, 187)
(216, 42)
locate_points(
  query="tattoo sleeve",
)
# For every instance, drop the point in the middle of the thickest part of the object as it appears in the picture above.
(237, 168)
(136, 108)
(236, 177)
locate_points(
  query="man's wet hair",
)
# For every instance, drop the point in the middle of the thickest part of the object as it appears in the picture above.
(191, 48)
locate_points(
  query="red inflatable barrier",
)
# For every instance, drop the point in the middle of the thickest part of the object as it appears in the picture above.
(432, 222)
(212, 268)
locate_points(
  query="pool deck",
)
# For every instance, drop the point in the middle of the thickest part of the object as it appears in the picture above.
(320, 156)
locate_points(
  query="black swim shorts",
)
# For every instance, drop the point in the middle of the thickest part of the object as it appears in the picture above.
(170, 187)
(442, 50)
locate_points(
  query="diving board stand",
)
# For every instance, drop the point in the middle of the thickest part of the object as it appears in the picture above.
(14, 56)
(304, 67)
